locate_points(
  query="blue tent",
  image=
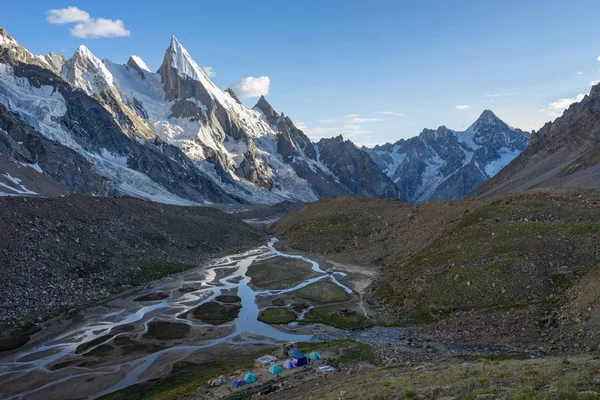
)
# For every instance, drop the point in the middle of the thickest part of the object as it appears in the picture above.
(314, 356)
(239, 383)
(275, 369)
(299, 359)
(250, 378)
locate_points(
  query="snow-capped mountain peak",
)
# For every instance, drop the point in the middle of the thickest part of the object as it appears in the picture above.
(489, 116)
(183, 62)
(448, 164)
(83, 52)
(140, 63)
(6, 40)
(490, 131)
(487, 119)
(87, 72)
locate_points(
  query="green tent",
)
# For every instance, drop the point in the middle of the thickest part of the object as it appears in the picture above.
(314, 356)
(275, 369)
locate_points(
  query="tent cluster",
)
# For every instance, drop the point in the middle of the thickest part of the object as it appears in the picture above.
(299, 359)
(296, 360)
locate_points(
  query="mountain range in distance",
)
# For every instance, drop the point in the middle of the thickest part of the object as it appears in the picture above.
(96, 127)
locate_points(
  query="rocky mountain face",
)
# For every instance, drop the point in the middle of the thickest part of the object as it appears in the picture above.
(170, 136)
(333, 167)
(563, 153)
(443, 164)
(356, 169)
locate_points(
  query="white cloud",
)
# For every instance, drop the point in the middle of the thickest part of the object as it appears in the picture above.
(210, 71)
(362, 120)
(462, 107)
(497, 95)
(252, 87)
(557, 107)
(349, 126)
(593, 83)
(396, 114)
(85, 25)
(346, 129)
(357, 119)
(598, 59)
(67, 15)
(100, 28)
(580, 73)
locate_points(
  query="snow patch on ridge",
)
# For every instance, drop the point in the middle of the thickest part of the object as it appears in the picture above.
(140, 63)
(19, 190)
(506, 156)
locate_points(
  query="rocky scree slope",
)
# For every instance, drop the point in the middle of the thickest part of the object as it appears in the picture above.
(515, 267)
(62, 252)
(443, 164)
(563, 153)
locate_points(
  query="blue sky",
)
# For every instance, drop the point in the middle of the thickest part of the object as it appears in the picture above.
(373, 71)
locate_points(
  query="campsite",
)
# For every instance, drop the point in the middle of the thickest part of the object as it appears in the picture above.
(270, 373)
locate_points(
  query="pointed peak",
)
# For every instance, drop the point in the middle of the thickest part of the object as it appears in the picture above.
(6, 40)
(487, 114)
(176, 47)
(85, 53)
(594, 91)
(488, 117)
(82, 49)
(19, 52)
(137, 63)
(85, 58)
(488, 121)
(266, 108)
(184, 64)
(263, 101)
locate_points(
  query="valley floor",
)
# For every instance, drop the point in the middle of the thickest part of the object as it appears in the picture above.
(471, 299)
